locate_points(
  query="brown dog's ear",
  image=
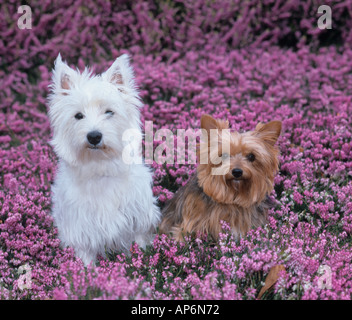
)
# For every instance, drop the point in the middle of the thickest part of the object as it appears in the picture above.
(269, 132)
(207, 122)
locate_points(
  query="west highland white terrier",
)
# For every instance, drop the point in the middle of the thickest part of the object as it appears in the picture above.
(100, 202)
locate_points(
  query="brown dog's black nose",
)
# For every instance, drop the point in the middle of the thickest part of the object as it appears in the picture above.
(237, 173)
(94, 137)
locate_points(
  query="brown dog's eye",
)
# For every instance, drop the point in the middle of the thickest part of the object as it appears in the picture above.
(251, 157)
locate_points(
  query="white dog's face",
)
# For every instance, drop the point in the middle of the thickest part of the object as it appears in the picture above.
(89, 113)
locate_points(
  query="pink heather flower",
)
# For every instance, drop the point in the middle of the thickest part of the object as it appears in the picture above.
(297, 197)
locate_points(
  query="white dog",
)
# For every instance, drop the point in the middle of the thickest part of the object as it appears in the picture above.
(100, 202)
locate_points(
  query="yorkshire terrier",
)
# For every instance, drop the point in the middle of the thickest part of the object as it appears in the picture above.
(233, 185)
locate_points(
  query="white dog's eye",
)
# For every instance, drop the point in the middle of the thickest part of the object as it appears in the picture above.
(109, 112)
(79, 116)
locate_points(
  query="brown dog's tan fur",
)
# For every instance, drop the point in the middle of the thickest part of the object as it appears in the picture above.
(206, 199)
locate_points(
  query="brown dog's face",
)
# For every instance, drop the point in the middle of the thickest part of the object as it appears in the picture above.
(238, 168)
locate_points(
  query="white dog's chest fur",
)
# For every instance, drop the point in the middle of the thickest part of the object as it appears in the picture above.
(95, 212)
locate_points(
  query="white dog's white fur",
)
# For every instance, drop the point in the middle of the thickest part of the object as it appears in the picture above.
(100, 202)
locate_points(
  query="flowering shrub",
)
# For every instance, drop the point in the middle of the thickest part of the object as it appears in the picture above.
(245, 61)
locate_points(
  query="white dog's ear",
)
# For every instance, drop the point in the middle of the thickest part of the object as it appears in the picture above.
(120, 73)
(62, 76)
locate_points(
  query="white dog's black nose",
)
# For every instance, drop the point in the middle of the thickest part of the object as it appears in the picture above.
(94, 137)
